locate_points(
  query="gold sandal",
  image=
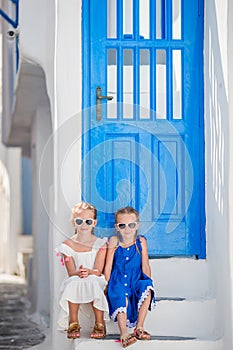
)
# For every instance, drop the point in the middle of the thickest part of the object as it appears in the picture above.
(99, 331)
(141, 334)
(73, 330)
(128, 340)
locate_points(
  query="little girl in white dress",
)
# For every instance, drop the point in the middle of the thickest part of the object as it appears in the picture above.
(83, 256)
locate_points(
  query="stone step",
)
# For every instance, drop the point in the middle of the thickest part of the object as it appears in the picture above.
(158, 343)
(175, 324)
(180, 277)
(179, 317)
(195, 318)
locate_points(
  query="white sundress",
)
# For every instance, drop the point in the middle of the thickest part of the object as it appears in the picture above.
(82, 290)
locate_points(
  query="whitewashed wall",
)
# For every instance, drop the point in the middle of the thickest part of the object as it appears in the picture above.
(52, 38)
(50, 35)
(218, 151)
(10, 178)
(229, 327)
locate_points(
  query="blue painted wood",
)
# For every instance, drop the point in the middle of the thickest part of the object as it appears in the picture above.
(163, 16)
(14, 23)
(156, 165)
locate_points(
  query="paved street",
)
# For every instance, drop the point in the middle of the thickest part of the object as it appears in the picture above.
(17, 332)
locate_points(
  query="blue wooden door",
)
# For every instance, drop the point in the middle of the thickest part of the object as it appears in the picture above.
(143, 144)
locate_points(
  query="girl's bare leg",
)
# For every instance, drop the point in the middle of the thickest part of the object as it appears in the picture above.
(143, 311)
(73, 330)
(99, 330)
(126, 339)
(139, 331)
(73, 312)
(99, 315)
(121, 319)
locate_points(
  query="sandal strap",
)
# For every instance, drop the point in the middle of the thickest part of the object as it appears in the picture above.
(140, 332)
(128, 337)
(99, 331)
(74, 327)
(99, 326)
(125, 340)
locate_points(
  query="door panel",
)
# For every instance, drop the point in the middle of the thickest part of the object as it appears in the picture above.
(143, 147)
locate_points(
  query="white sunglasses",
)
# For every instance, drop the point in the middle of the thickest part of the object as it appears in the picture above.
(79, 221)
(131, 225)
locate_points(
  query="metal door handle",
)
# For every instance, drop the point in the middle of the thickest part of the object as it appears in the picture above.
(99, 98)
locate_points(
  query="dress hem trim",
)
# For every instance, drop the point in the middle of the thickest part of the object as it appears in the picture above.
(145, 295)
(140, 302)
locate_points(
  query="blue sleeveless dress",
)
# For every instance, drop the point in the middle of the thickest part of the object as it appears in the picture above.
(128, 281)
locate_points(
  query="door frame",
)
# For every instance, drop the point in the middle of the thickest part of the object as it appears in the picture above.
(86, 103)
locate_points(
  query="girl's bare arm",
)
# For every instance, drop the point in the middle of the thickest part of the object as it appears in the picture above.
(109, 258)
(70, 266)
(98, 266)
(100, 260)
(145, 258)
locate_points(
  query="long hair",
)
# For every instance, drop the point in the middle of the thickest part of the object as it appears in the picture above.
(127, 210)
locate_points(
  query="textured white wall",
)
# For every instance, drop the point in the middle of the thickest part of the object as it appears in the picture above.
(10, 217)
(229, 326)
(40, 293)
(217, 154)
(52, 38)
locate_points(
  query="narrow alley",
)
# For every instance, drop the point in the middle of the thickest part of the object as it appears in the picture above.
(17, 331)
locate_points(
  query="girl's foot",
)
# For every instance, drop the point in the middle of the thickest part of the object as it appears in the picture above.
(141, 334)
(73, 331)
(127, 340)
(99, 331)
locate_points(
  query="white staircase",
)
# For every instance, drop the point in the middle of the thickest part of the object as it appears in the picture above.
(158, 344)
(185, 315)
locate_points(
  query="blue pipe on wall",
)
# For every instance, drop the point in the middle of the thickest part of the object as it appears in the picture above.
(14, 23)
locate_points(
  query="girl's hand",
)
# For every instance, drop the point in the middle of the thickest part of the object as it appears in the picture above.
(83, 272)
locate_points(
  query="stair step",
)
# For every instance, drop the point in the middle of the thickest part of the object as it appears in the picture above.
(183, 317)
(153, 337)
(170, 299)
(177, 317)
(160, 343)
(180, 277)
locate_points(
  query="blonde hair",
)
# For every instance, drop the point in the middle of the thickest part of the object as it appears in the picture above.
(83, 206)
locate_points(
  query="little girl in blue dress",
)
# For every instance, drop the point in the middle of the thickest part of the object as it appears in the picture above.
(130, 292)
